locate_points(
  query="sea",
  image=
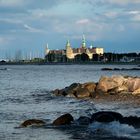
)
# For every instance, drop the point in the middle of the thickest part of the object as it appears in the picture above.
(25, 93)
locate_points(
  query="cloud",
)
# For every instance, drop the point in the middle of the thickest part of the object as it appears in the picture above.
(83, 21)
(123, 2)
(134, 12)
(99, 20)
(31, 29)
(11, 3)
(111, 14)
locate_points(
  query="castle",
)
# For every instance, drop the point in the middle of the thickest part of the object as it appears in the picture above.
(72, 53)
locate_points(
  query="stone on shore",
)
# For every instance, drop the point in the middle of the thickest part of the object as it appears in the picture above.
(106, 116)
(114, 85)
(83, 120)
(63, 120)
(34, 122)
(136, 92)
(131, 120)
(91, 87)
(108, 83)
(132, 83)
(82, 93)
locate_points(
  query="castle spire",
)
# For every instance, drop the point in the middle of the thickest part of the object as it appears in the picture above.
(68, 43)
(83, 41)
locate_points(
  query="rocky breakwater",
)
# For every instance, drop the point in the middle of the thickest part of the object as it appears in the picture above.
(115, 85)
(101, 116)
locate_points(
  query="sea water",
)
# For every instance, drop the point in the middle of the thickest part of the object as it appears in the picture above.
(25, 94)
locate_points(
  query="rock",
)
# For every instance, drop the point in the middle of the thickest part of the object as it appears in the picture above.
(83, 120)
(72, 88)
(117, 84)
(106, 116)
(116, 69)
(63, 120)
(131, 120)
(82, 93)
(107, 69)
(30, 122)
(91, 87)
(132, 83)
(105, 84)
(56, 92)
(136, 92)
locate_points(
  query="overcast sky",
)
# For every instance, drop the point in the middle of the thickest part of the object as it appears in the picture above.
(28, 25)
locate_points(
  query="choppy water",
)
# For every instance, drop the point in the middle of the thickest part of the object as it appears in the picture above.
(25, 94)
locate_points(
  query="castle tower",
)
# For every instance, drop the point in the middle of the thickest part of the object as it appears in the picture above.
(47, 50)
(69, 51)
(68, 44)
(83, 42)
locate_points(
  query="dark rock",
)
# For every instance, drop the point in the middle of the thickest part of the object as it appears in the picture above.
(58, 92)
(116, 69)
(30, 122)
(72, 88)
(83, 120)
(63, 120)
(106, 116)
(107, 69)
(131, 120)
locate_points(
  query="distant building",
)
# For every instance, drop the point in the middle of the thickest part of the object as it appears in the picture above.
(72, 53)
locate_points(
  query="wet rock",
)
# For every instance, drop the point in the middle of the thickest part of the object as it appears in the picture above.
(132, 120)
(83, 120)
(67, 91)
(82, 93)
(106, 116)
(107, 69)
(63, 120)
(56, 92)
(72, 88)
(91, 87)
(34, 122)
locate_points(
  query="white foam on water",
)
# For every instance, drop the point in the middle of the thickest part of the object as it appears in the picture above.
(113, 128)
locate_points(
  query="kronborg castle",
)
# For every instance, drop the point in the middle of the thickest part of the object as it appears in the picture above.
(70, 54)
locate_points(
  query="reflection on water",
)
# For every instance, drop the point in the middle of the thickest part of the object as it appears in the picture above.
(25, 94)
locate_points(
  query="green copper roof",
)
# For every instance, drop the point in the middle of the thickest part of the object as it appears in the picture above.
(68, 43)
(83, 42)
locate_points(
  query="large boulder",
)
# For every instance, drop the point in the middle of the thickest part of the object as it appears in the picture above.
(118, 84)
(106, 116)
(132, 83)
(131, 120)
(91, 87)
(31, 122)
(82, 93)
(72, 88)
(63, 120)
(105, 84)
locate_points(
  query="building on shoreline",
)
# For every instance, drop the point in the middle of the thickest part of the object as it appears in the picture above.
(69, 54)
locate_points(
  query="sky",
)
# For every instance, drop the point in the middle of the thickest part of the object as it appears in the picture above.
(28, 25)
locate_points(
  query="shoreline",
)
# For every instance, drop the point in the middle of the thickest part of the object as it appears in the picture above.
(70, 63)
(126, 99)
